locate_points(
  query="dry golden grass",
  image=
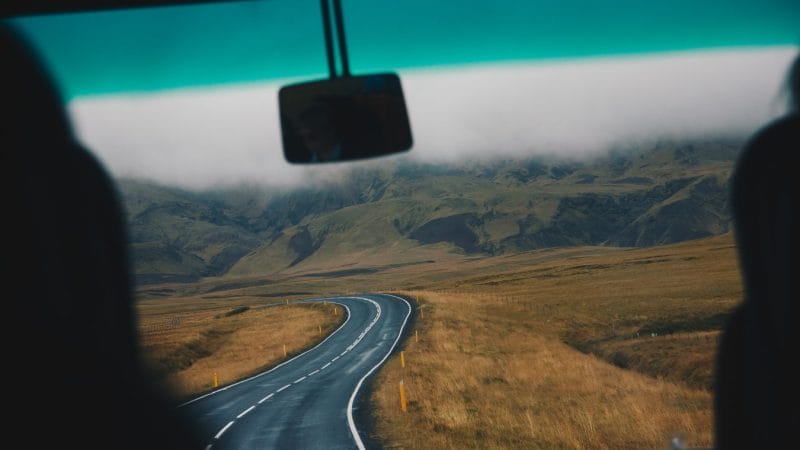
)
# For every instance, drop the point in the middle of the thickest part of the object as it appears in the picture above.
(685, 358)
(185, 341)
(585, 348)
(513, 358)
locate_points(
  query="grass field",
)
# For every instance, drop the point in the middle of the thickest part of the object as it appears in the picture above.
(585, 348)
(597, 351)
(187, 341)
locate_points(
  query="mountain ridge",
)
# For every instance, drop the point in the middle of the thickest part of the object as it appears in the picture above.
(405, 211)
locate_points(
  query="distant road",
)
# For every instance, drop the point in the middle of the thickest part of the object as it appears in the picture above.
(310, 401)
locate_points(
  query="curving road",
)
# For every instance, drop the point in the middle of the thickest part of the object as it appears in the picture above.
(308, 402)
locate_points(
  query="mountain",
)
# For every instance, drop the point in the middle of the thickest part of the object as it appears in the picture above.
(405, 212)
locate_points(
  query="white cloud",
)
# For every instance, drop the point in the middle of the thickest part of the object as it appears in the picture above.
(205, 137)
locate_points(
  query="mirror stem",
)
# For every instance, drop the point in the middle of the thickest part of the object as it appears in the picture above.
(326, 25)
(337, 10)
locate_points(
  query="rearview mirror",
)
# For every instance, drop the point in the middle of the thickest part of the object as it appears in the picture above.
(344, 119)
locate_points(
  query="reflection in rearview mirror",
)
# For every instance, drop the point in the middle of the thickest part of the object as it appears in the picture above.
(343, 119)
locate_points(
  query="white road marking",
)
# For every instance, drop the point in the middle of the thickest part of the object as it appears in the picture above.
(208, 447)
(313, 373)
(276, 367)
(299, 380)
(223, 429)
(350, 421)
(242, 414)
(265, 398)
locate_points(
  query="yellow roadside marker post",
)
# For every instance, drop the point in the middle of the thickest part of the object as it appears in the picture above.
(403, 359)
(402, 397)
(216, 380)
(284, 350)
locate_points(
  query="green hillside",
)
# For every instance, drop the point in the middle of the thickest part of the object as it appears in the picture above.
(408, 212)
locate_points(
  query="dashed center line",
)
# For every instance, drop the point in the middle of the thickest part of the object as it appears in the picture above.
(246, 411)
(225, 428)
(354, 432)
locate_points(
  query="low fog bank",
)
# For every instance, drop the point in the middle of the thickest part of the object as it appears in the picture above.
(230, 136)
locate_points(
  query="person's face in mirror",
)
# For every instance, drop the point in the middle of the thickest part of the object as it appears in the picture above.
(318, 134)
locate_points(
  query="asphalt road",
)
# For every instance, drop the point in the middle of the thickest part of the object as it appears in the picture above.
(310, 401)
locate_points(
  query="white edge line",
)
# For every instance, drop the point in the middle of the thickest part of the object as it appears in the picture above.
(243, 413)
(225, 428)
(279, 365)
(265, 398)
(350, 421)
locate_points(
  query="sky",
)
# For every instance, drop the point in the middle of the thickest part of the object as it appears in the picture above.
(188, 96)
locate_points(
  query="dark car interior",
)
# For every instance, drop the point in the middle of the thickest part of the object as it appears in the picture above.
(79, 367)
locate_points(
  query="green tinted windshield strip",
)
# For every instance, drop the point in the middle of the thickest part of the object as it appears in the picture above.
(211, 44)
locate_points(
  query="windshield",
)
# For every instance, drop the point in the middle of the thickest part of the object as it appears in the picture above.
(513, 77)
(561, 229)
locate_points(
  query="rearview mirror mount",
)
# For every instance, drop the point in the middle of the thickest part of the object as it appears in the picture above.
(343, 118)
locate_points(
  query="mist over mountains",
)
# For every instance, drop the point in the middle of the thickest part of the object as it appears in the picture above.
(410, 212)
